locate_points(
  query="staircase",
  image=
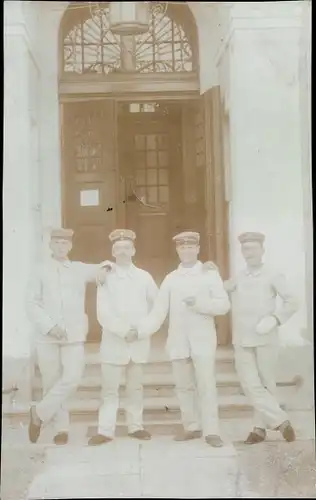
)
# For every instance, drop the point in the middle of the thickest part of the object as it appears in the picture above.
(161, 408)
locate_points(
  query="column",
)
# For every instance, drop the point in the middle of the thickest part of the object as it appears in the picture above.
(266, 168)
(305, 109)
(50, 139)
(17, 203)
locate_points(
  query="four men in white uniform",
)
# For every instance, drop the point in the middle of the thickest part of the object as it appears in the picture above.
(130, 309)
(256, 318)
(56, 307)
(123, 300)
(192, 296)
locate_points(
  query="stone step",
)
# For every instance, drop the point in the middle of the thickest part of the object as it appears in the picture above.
(158, 411)
(165, 406)
(155, 384)
(157, 354)
(155, 427)
(158, 384)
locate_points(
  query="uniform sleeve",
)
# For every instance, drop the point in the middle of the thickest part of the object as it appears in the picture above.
(290, 303)
(153, 321)
(90, 271)
(106, 315)
(152, 291)
(216, 302)
(34, 304)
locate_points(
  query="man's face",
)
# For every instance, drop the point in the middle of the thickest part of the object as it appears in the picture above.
(60, 248)
(188, 253)
(252, 252)
(123, 251)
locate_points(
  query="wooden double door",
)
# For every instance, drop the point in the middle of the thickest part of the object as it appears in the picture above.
(147, 166)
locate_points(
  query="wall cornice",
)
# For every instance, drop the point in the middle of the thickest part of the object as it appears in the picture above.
(252, 23)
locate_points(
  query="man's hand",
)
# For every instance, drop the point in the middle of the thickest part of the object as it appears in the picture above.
(103, 274)
(229, 286)
(266, 324)
(58, 333)
(132, 335)
(209, 266)
(190, 301)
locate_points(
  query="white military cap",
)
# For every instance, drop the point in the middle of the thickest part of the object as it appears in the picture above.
(247, 237)
(61, 234)
(122, 234)
(187, 237)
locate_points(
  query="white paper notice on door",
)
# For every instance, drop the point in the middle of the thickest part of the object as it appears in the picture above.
(89, 198)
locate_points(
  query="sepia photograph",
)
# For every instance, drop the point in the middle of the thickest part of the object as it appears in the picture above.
(158, 336)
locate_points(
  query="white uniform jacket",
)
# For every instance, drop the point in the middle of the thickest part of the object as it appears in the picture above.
(254, 296)
(125, 298)
(191, 329)
(56, 296)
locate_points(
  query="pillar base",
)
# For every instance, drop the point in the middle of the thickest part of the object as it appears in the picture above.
(17, 379)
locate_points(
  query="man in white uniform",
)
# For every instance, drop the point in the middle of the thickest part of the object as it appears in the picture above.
(256, 318)
(192, 296)
(56, 307)
(126, 297)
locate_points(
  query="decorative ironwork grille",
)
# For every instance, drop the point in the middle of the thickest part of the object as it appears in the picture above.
(87, 139)
(90, 47)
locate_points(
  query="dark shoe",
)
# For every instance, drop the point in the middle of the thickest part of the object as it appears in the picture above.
(187, 435)
(256, 436)
(34, 425)
(287, 431)
(61, 438)
(99, 439)
(214, 440)
(141, 434)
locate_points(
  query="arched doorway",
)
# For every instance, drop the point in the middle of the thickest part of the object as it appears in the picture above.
(134, 128)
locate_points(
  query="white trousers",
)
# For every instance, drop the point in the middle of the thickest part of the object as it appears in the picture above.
(256, 368)
(111, 377)
(61, 367)
(197, 394)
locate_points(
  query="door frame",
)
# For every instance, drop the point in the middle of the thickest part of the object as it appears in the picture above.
(117, 97)
(145, 97)
(130, 96)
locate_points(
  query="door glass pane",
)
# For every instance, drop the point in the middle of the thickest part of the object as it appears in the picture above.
(152, 195)
(151, 159)
(140, 142)
(82, 164)
(163, 158)
(162, 141)
(163, 194)
(94, 164)
(140, 176)
(152, 177)
(85, 150)
(163, 177)
(140, 160)
(151, 141)
(134, 107)
(141, 193)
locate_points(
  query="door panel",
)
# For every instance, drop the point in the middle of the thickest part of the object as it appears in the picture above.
(90, 176)
(150, 163)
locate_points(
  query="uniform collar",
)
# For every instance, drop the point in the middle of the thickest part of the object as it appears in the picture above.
(123, 272)
(65, 263)
(190, 270)
(257, 272)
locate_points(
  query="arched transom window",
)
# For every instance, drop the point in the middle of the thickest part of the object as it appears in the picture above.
(88, 45)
